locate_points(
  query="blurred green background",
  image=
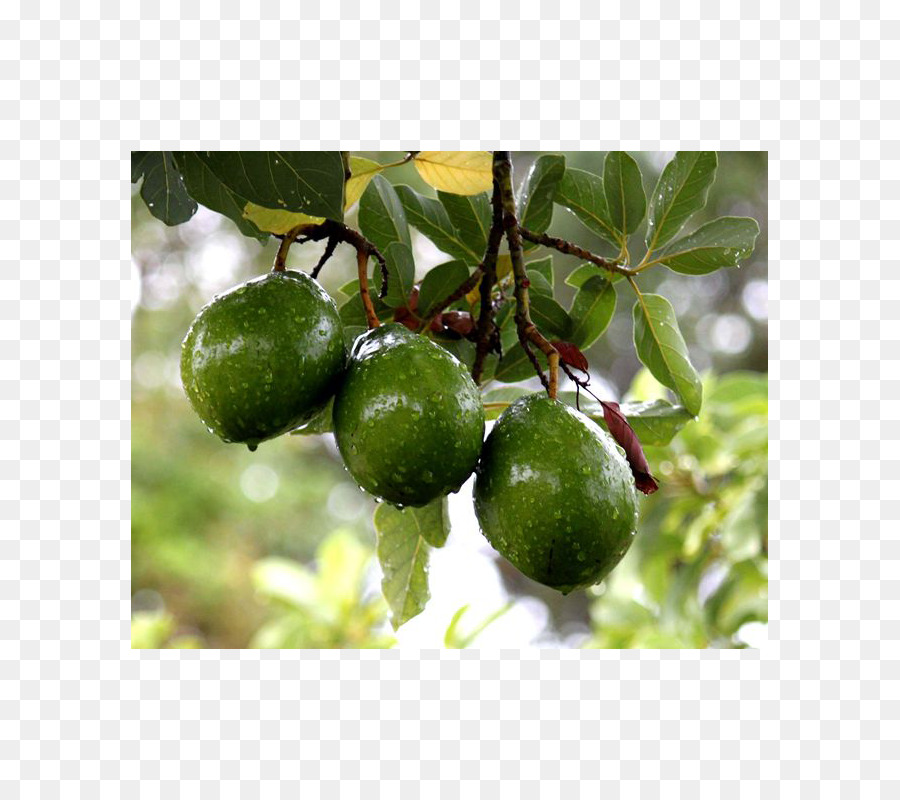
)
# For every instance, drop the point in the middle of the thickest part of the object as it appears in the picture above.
(274, 548)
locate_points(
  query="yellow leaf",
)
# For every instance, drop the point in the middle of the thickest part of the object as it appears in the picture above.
(456, 171)
(504, 268)
(362, 170)
(277, 220)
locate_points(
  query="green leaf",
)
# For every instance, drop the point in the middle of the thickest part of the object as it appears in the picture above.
(382, 219)
(536, 197)
(550, 317)
(680, 191)
(624, 191)
(311, 182)
(207, 189)
(352, 312)
(655, 423)
(582, 193)
(544, 266)
(661, 348)
(440, 283)
(496, 400)
(401, 274)
(515, 365)
(471, 217)
(163, 189)
(403, 549)
(430, 218)
(578, 276)
(720, 243)
(320, 423)
(350, 288)
(539, 283)
(592, 309)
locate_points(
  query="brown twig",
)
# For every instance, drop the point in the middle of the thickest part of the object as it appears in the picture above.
(329, 252)
(528, 333)
(486, 329)
(337, 232)
(572, 249)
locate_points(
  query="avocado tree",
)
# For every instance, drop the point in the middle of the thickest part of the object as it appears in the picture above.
(408, 368)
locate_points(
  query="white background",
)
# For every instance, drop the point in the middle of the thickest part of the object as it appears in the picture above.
(814, 714)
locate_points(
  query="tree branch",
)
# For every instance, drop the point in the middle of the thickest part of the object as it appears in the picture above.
(528, 333)
(572, 249)
(486, 328)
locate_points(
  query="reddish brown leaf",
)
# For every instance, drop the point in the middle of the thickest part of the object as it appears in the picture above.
(460, 322)
(570, 355)
(622, 432)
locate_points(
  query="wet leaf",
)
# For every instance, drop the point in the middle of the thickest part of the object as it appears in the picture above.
(680, 191)
(440, 282)
(536, 197)
(471, 217)
(163, 189)
(592, 309)
(582, 193)
(430, 218)
(622, 432)
(362, 170)
(624, 191)
(724, 242)
(382, 219)
(661, 348)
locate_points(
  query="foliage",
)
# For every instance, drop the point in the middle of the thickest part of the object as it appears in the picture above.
(154, 631)
(323, 608)
(272, 193)
(697, 570)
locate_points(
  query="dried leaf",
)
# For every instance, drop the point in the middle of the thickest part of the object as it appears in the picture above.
(623, 433)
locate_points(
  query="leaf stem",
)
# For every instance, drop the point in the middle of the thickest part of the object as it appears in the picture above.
(528, 333)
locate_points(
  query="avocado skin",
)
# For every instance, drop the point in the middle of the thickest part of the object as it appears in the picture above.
(553, 494)
(263, 357)
(408, 418)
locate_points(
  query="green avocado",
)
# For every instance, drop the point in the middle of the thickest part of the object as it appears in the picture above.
(408, 418)
(554, 495)
(263, 357)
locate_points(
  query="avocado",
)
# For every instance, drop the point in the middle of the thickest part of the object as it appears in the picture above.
(553, 494)
(408, 418)
(263, 357)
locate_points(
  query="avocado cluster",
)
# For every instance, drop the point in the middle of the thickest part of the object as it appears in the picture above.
(553, 494)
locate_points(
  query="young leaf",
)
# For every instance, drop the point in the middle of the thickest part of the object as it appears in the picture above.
(362, 170)
(624, 191)
(680, 191)
(207, 189)
(582, 193)
(277, 220)
(536, 198)
(163, 189)
(403, 550)
(661, 348)
(401, 274)
(550, 317)
(470, 216)
(430, 218)
(311, 182)
(720, 243)
(592, 309)
(621, 431)
(440, 283)
(382, 219)
(456, 171)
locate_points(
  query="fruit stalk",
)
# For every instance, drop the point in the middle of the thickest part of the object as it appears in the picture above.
(362, 262)
(528, 333)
